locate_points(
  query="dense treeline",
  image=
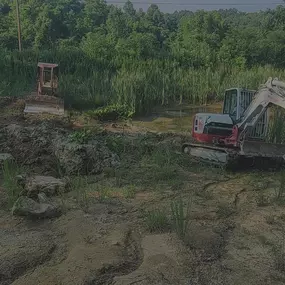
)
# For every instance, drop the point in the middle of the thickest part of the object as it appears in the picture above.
(110, 54)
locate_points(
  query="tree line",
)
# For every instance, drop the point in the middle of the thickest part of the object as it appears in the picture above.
(113, 51)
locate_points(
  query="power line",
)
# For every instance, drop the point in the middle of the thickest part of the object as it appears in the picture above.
(199, 4)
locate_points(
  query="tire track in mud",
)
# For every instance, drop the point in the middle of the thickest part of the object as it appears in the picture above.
(132, 256)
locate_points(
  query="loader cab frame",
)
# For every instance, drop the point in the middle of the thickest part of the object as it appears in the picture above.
(47, 78)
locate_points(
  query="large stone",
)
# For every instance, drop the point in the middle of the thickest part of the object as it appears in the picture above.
(45, 184)
(25, 206)
(5, 157)
(75, 158)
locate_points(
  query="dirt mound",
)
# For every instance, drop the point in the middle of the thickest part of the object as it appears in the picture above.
(50, 149)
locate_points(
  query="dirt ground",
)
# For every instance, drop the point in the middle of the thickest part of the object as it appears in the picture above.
(118, 226)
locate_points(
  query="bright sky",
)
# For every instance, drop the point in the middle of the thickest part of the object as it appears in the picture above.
(172, 5)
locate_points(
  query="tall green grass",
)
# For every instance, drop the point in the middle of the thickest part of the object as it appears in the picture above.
(141, 84)
(12, 188)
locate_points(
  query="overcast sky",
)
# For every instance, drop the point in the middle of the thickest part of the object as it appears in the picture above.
(172, 5)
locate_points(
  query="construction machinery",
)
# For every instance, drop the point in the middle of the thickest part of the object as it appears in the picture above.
(240, 132)
(46, 98)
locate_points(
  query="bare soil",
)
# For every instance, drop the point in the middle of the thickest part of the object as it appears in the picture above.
(235, 232)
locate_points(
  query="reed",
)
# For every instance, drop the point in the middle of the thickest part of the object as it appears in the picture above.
(88, 83)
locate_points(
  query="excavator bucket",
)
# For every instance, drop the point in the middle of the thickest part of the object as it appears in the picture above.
(46, 99)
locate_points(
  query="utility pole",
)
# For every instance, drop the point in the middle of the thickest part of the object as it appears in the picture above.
(19, 25)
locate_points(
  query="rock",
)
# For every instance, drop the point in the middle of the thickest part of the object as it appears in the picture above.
(25, 206)
(21, 179)
(18, 132)
(5, 157)
(75, 158)
(45, 184)
(43, 198)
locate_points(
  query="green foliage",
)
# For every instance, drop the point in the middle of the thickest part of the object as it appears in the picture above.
(180, 217)
(111, 56)
(11, 186)
(112, 112)
(81, 136)
(156, 220)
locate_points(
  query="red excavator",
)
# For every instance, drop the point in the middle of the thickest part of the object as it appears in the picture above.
(240, 132)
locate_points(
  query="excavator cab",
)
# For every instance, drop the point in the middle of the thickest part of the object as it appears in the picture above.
(236, 102)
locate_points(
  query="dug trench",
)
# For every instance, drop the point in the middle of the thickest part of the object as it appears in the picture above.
(112, 205)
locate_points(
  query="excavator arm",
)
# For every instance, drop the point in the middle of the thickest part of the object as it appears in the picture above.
(271, 93)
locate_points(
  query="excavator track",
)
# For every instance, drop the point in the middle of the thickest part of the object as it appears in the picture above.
(234, 159)
(214, 155)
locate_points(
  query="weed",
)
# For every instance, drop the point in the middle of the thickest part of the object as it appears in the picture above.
(104, 194)
(180, 218)
(156, 221)
(81, 136)
(112, 112)
(79, 186)
(11, 186)
(129, 191)
(225, 210)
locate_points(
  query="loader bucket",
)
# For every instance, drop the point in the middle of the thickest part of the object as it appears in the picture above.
(44, 104)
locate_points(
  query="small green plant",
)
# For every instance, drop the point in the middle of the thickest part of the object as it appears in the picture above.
(79, 185)
(129, 191)
(81, 136)
(180, 217)
(112, 113)
(11, 186)
(104, 194)
(156, 220)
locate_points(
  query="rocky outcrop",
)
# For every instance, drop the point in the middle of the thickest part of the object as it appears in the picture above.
(89, 158)
(5, 157)
(26, 206)
(45, 184)
(51, 148)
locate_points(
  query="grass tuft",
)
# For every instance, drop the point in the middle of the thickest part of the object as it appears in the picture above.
(180, 217)
(79, 187)
(11, 186)
(157, 221)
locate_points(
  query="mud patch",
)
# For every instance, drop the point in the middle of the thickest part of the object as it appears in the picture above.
(162, 263)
